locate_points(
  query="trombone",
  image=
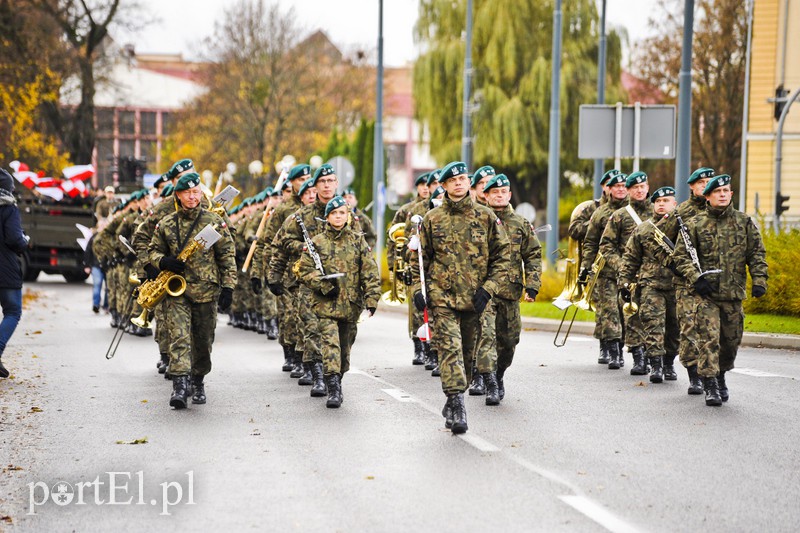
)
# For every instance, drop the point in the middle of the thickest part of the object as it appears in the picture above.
(397, 294)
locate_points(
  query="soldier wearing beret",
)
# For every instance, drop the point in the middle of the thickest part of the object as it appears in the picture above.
(210, 276)
(360, 219)
(524, 276)
(608, 319)
(729, 241)
(579, 225)
(338, 302)
(478, 181)
(644, 264)
(465, 254)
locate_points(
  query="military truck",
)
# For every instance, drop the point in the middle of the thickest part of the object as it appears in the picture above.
(53, 247)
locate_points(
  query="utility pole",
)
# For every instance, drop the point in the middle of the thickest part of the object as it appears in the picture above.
(553, 167)
(466, 140)
(377, 161)
(683, 160)
(601, 94)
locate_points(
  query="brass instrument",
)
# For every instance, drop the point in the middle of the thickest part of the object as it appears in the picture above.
(631, 308)
(585, 302)
(397, 294)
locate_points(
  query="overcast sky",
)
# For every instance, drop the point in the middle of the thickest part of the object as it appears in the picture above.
(349, 23)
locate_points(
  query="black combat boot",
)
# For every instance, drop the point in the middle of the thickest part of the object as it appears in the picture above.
(272, 329)
(501, 386)
(492, 391)
(288, 357)
(180, 392)
(306, 378)
(669, 368)
(199, 395)
(250, 321)
(430, 362)
(614, 355)
(114, 319)
(447, 412)
(261, 324)
(230, 318)
(723, 387)
(478, 386)
(436, 372)
(334, 391)
(695, 383)
(236, 320)
(712, 392)
(419, 353)
(3, 370)
(318, 387)
(605, 357)
(657, 374)
(297, 366)
(639, 362)
(459, 414)
(163, 363)
(621, 353)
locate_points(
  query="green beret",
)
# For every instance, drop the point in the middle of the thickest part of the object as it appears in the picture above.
(500, 180)
(616, 178)
(135, 195)
(323, 170)
(481, 173)
(608, 175)
(716, 182)
(248, 201)
(433, 176)
(456, 168)
(287, 185)
(306, 185)
(234, 210)
(348, 190)
(166, 191)
(260, 197)
(422, 178)
(438, 191)
(635, 178)
(661, 193)
(188, 181)
(299, 171)
(335, 203)
(268, 192)
(163, 178)
(181, 166)
(701, 173)
(276, 192)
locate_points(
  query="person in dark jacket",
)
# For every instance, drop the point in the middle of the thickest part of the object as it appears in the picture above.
(12, 243)
(92, 266)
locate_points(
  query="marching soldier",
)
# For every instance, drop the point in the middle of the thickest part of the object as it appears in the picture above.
(466, 257)
(478, 181)
(608, 321)
(643, 264)
(524, 276)
(727, 240)
(210, 278)
(338, 302)
(580, 224)
(618, 230)
(361, 220)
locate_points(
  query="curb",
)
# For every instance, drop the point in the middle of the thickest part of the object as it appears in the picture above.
(749, 339)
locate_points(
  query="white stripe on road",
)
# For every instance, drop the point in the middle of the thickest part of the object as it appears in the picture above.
(598, 513)
(479, 443)
(757, 373)
(399, 395)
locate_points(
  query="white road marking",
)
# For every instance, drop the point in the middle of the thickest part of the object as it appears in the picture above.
(598, 513)
(752, 372)
(478, 442)
(399, 395)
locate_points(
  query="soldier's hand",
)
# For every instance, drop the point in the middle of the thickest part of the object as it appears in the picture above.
(255, 284)
(130, 257)
(672, 268)
(150, 271)
(625, 293)
(480, 299)
(225, 298)
(530, 295)
(703, 287)
(419, 301)
(276, 288)
(759, 291)
(372, 310)
(172, 263)
(330, 288)
(583, 277)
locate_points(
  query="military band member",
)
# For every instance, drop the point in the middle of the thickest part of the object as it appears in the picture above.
(608, 319)
(524, 276)
(727, 240)
(580, 224)
(210, 276)
(644, 264)
(478, 181)
(361, 221)
(466, 256)
(338, 302)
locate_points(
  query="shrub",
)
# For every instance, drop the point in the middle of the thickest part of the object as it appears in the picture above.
(783, 258)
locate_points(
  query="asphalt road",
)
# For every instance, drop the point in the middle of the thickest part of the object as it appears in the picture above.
(573, 447)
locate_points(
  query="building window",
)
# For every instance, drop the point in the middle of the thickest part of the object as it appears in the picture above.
(127, 148)
(127, 123)
(396, 152)
(147, 124)
(165, 117)
(105, 161)
(105, 121)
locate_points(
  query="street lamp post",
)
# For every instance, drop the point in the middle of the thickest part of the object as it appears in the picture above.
(684, 156)
(466, 140)
(377, 162)
(601, 93)
(553, 167)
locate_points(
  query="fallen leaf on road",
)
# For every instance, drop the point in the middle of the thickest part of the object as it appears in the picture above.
(255, 433)
(144, 401)
(11, 468)
(640, 384)
(35, 409)
(581, 473)
(37, 332)
(34, 356)
(542, 365)
(6, 519)
(370, 477)
(143, 440)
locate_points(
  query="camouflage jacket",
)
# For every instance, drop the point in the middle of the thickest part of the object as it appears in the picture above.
(103, 247)
(643, 261)
(618, 230)
(525, 268)
(420, 208)
(579, 225)
(263, 253)
(109, 253)
(144, 233)
(125, 229)
(729, 240)
(399, 216)
(289, 244)
(239, 243)
(363, 222)
(464, 247)
(206, 270)
(597, 224)
(687, 211)
(343, 251)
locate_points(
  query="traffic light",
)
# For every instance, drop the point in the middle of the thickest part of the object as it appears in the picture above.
(780, 201)
(780, 100)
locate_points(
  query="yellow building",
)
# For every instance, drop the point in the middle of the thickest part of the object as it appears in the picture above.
(775, 58)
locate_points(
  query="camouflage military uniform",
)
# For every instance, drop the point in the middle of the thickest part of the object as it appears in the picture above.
(344, 251)
(191, 318)
(239, 305)
(415, 316)
(464, 248)
(364, 224)
(580, 224)
(729, 240)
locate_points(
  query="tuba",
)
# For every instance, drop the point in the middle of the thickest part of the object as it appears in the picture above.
(397, 294)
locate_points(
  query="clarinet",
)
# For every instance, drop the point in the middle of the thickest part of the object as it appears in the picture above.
(312, 251)
(691, 249)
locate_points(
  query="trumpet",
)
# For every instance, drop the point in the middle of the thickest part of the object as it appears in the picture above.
(397, 294)
(631, 308)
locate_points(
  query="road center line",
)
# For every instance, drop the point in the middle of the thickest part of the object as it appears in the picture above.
(752, 372)
(598, 513)
(399, 395)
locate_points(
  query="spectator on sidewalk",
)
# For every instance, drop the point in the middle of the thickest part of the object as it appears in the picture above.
(91, 265)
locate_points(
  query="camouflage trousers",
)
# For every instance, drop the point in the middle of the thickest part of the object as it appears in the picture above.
(722, 323)
(336, 339)
(239, 304)
(190, 329)
(659, 317)
(161, 336)
(415, 318)
(456, 336)
(633, 332)
(268, 303)
(508, 326)
(485, 357)
(287, 321)
(308, 325)
(690, 337)
(608, 313)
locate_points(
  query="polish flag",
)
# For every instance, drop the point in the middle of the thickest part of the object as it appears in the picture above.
(73, 188)
(27, 178)
(78, 172)
(53, 192)
(46, 183)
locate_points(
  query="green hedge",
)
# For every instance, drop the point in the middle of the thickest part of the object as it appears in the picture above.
(783, 258)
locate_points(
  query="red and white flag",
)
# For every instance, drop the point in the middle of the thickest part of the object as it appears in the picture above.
(27, 178)
(79, 172)
(53, 192)
(73, 188)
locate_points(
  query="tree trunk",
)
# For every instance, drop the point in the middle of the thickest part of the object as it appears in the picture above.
(81, 136)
